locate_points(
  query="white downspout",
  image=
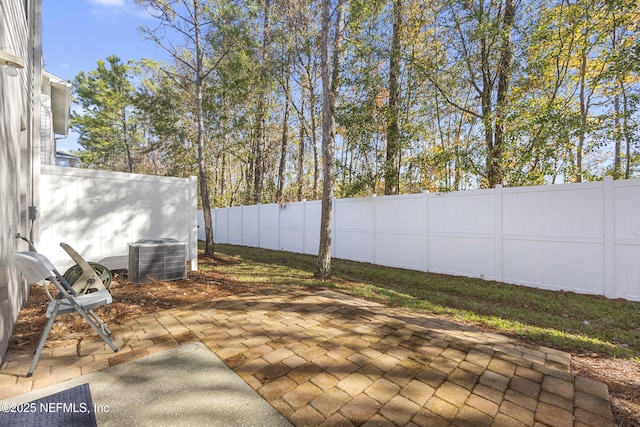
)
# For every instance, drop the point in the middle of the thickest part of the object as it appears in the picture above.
(36, 122)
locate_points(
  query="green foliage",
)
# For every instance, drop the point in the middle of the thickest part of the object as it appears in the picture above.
(557, 109)
(163, 109)
(106, 123)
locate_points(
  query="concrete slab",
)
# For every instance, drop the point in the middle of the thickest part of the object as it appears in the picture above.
(185, 386)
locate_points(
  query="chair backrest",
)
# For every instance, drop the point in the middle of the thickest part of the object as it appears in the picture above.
(34, 266)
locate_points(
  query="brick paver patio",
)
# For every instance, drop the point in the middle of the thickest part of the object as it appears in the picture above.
(330, 359)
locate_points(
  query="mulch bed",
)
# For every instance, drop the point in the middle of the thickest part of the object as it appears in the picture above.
(131, 300)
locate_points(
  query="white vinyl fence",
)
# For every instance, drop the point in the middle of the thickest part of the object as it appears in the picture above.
(575, 237)
(99, 213)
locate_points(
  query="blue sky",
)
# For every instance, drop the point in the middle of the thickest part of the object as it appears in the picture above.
(77, 33)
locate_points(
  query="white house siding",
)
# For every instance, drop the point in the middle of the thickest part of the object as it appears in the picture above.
(47, 149)
(33, 109)
(19, 33)
(55, 105)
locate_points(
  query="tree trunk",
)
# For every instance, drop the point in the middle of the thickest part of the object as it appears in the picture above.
(191, 21)
(260, 119)
(487, 115)
(626, 130)
(504, 77)
(202, 170)
(584, 109)
(257, 154)
(125, 139)
(285, 134)
(223, 180)
(314, 142)
(617, 130)
(392, 163)
(300, 171)
(329, 86)
(617, 137)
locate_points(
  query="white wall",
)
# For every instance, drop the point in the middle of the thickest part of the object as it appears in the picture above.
(576, 237)
(99, 213)
(19, 155)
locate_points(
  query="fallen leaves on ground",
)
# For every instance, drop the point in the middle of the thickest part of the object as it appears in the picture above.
(622, 376)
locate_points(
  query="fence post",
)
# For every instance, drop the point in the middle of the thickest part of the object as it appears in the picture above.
(259, 227)
(425, 230)
(280, 208)
(608, 237)
(304, 226)
(334, 232)
(498, 232)
(241, 224)
(214, 219)
(372, 259)
(193, 221)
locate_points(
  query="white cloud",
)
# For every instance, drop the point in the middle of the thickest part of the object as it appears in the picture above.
(109, 3)
(116, 8)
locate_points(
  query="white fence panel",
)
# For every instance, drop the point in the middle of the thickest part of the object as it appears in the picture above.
(461, 233)
(292, 227)
(626, 232)
(220, 225)
(99, 213)
(553, 237)
(250, 218)
(353, 229)
(400, 225)
(577, 237)
(236, 226)
(270, 226)
(312, 214)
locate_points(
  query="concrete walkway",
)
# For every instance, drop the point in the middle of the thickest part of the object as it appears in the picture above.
(185, 386)
(326, 358)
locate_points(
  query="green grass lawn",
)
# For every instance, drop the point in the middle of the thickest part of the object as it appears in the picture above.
(564, 320)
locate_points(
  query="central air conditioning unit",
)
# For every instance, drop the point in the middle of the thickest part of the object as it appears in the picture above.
(161, 259)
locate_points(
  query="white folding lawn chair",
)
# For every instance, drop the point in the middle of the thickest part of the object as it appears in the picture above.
(35, 267)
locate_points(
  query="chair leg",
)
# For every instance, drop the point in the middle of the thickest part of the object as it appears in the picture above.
(43, 339)
(97, 328)
(100, 322)
(48, 327)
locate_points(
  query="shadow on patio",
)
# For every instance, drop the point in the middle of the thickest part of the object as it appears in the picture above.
(326, 358)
